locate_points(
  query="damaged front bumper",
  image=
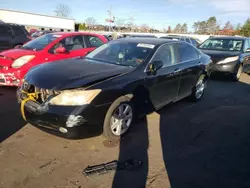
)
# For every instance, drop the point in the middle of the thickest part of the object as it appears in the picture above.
(10, 77)
(66, 121)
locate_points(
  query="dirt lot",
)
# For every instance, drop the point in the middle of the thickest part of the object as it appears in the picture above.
(183, 145)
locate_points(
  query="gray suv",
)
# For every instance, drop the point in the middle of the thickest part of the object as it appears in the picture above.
(12, 36)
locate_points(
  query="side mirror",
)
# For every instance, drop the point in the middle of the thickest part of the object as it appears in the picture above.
(61, 50)
(156, 65)
(248, 50)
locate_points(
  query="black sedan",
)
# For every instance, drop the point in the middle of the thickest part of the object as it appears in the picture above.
(112, 85)
(230, 55)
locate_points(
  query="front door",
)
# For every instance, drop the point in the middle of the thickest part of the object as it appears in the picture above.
(75, 47)
(246, 56)
(163, 86)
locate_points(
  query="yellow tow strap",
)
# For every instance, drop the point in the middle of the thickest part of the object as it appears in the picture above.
(30, 97)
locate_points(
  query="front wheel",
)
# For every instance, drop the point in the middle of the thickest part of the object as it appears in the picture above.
(118, 119)
(236, 76)
(198, 90)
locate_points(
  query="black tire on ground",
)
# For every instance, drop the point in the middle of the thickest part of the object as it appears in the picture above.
(107, 132)
(194, 97)
(237, 74)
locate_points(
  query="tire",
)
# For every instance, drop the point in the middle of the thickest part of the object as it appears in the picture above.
(200, 85)
(237, 74)
(112, 118)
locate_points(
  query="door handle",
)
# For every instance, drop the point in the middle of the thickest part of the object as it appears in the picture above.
(177, 71)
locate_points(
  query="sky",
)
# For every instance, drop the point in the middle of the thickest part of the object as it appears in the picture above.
(156, 13)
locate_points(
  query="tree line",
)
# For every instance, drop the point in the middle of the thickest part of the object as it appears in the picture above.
(211, 27)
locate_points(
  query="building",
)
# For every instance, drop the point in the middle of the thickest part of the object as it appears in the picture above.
(37, 21)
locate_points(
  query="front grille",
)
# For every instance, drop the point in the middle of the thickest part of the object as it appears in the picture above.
(43, 94)
(2, 81)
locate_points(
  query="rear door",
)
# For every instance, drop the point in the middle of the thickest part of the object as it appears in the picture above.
(164, 85)
(5, 37)
(246, 56)
(190, 65)
(75, 46)
(92, 42)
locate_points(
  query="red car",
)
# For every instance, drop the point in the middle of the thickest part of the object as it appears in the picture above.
(15, 63)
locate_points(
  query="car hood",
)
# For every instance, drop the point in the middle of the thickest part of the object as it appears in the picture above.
(72, 73)
(219, 55)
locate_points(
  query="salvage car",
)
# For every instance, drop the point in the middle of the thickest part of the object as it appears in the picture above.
(112, 85)
(230, 55)
(15, 63)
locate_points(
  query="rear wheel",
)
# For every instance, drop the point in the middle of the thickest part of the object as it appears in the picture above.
(237, 74)
(118, 118)
(198, 90)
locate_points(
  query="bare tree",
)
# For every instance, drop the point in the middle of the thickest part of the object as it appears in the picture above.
(63, 10)
(144, 27)
(91, 22)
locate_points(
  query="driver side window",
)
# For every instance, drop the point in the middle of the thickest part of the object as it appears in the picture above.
(166, 54)
(69, 43)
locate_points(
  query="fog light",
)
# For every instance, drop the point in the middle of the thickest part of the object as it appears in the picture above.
(63, 130)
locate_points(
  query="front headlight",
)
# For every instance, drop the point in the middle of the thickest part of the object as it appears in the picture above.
(228, 60)
(74, 97)
(22, 60)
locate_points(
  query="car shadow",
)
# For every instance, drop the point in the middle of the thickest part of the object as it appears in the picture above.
(10, 117)
(207, 144)
(135, 145)
(204, 144)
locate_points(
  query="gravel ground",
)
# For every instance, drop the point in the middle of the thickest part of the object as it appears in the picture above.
(189, 145)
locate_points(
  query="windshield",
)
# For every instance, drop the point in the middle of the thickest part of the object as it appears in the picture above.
(41, 42)
(121, 53)
(223, 44)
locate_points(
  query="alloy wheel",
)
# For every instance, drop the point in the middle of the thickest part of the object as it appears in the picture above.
(200, 86)
(240, 69)
(121, 119)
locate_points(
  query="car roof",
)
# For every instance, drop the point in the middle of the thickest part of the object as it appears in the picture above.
(229, 37)
(146, 40)
(74, 33)
(175, 36)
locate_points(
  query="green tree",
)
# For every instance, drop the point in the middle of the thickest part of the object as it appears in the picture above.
(82, 26)
(245, 30)
(177, 28)
(238, 26)
(184, 28)
(211, 25)
(196, 27)
(202, 29)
